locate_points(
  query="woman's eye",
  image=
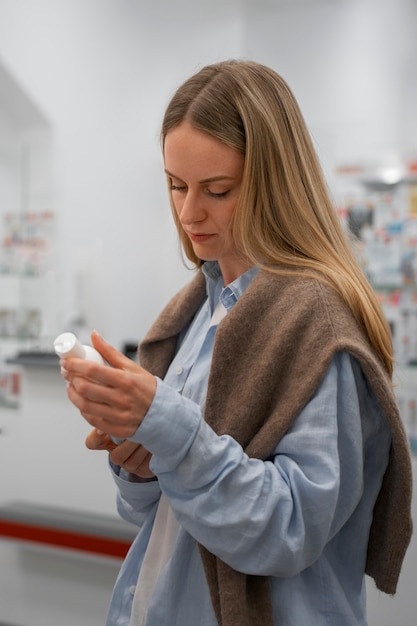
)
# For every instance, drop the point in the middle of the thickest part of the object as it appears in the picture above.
(222, 194)
(177, 187)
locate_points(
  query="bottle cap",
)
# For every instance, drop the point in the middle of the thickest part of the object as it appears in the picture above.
(67, 344)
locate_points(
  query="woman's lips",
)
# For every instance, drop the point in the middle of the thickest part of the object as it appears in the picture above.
(200, 237)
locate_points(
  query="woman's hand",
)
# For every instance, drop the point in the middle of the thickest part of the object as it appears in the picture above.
(133, 457)
(114, 400)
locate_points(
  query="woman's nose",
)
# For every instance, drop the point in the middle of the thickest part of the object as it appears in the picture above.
(192, 209)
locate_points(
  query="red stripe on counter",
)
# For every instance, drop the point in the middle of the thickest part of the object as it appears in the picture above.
(65, 539)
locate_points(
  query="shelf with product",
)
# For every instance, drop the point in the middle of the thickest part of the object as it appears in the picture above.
(27, 227)
(379, 208)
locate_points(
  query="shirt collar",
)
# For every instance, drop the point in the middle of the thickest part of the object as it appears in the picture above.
(230, 294)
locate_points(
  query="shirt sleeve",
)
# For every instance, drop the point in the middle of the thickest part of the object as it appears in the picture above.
(175, 417)
(135, 501)
(270, 517)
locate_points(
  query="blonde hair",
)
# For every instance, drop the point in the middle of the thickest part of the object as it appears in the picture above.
(284, 221)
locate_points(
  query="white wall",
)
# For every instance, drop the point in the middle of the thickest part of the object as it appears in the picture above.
(102, 71)
(352, 66)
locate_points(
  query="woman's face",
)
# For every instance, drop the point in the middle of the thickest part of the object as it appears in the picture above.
(205, 178)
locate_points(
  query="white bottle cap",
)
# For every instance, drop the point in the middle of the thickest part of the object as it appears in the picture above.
(67, 345)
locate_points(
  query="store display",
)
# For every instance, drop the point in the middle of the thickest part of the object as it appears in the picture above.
(10, 379)
(27, 242)
(381, 214)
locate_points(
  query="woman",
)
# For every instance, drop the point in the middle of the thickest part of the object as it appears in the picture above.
(264, 459)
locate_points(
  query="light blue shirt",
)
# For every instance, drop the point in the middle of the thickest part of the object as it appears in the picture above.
(302, 517)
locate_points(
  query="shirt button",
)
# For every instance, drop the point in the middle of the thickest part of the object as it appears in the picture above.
(132, 590)
(178, 370)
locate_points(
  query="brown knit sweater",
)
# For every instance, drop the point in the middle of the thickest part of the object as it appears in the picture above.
(271, 352)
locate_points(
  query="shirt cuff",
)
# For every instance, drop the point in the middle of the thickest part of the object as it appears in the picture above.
(132, 490)
(170, 425)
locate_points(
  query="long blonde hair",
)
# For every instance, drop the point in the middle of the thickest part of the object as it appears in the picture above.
(285, 220)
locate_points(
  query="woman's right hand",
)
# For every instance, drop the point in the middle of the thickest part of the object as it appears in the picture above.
(131, 456)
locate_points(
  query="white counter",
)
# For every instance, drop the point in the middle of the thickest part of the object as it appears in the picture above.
(43, 459)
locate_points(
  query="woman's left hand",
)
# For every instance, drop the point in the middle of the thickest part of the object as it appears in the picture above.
(112, 399)
(133, 457)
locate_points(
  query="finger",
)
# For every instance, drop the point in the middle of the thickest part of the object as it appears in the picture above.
(130, 455)
(137, 463)
(71, 367)
(113, 357)
(97, 440)
(95, 381)
(86, 393)
(94, 415)
(106, 408)
(143, 470)
(124, 391)
(111, 418)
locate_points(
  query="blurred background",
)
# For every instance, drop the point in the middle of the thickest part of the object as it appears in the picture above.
(87, 241)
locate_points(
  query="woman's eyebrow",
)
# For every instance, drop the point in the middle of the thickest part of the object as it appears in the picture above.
(211, 179)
